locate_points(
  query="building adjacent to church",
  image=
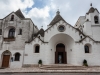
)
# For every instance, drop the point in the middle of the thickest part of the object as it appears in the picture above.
(22, 43)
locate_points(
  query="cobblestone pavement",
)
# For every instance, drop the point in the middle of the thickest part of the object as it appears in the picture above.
(50, 74)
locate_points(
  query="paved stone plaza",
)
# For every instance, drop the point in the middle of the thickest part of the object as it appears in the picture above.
(44, 70)
(50, 74)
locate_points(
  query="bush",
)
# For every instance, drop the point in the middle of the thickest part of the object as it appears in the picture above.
(85, 63)
(40, 62)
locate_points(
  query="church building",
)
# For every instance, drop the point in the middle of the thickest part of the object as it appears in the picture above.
(22, 43)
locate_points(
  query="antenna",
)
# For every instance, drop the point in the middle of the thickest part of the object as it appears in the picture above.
(57, 8)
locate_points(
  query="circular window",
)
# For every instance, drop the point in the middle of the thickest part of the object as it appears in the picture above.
(61, 28)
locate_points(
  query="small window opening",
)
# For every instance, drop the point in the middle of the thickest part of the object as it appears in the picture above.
(17, 57)
(81, 37)
(87, 20)
(39, 37)
(20, 31)
(0, 31)
(96, 19)
(87, 49)
(36, 49)
(12, 18)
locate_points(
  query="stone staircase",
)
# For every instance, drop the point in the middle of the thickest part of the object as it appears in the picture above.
(29, 65)
(62, 67)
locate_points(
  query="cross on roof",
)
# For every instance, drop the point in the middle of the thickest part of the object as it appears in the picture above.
(91, 4)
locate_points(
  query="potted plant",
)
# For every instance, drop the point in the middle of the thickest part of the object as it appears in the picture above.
(40, 63)
(85, 63)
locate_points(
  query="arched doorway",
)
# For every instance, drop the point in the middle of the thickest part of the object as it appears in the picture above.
(5, 59)
(60, 54)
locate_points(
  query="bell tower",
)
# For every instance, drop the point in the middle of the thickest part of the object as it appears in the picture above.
(92, 23)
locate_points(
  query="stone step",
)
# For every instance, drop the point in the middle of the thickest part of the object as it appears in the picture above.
(29, 65)
(62, 67)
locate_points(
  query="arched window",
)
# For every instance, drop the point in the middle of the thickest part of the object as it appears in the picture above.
(11, 33)
(96, 20)
(86, 49)
(20, 31)
(12, 18)
(87, 20)
(17, 57)
(37, 47)
(81, 37)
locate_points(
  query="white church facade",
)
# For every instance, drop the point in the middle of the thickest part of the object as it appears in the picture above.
(22, 43)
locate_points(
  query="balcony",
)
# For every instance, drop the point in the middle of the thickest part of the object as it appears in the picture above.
(9, 39)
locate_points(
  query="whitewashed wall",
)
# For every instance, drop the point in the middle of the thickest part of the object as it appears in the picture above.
(92, 57)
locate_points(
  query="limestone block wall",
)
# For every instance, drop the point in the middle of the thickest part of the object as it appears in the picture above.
(13, 64)
(19, 44)
(27, 31)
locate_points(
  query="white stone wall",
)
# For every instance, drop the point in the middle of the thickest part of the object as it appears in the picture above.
(87, 30)
(53, 37)
(96, 32)
(75, 51)
(68, 30)
(30, 57)
(64, 39)
(90, 28)
(92, 57)
(13, 64)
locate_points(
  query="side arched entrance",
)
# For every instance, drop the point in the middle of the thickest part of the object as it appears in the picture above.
(6, 59)
(60, 54)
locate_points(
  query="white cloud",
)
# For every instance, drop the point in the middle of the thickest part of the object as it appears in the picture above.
(63, 6)
(70, 10)
(40, 16)
(7, 6)
(39, 13)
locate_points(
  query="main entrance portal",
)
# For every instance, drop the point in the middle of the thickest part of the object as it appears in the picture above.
(60, 54)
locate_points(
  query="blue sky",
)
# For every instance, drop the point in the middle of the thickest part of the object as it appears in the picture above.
(43, 11)
(39, 3)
